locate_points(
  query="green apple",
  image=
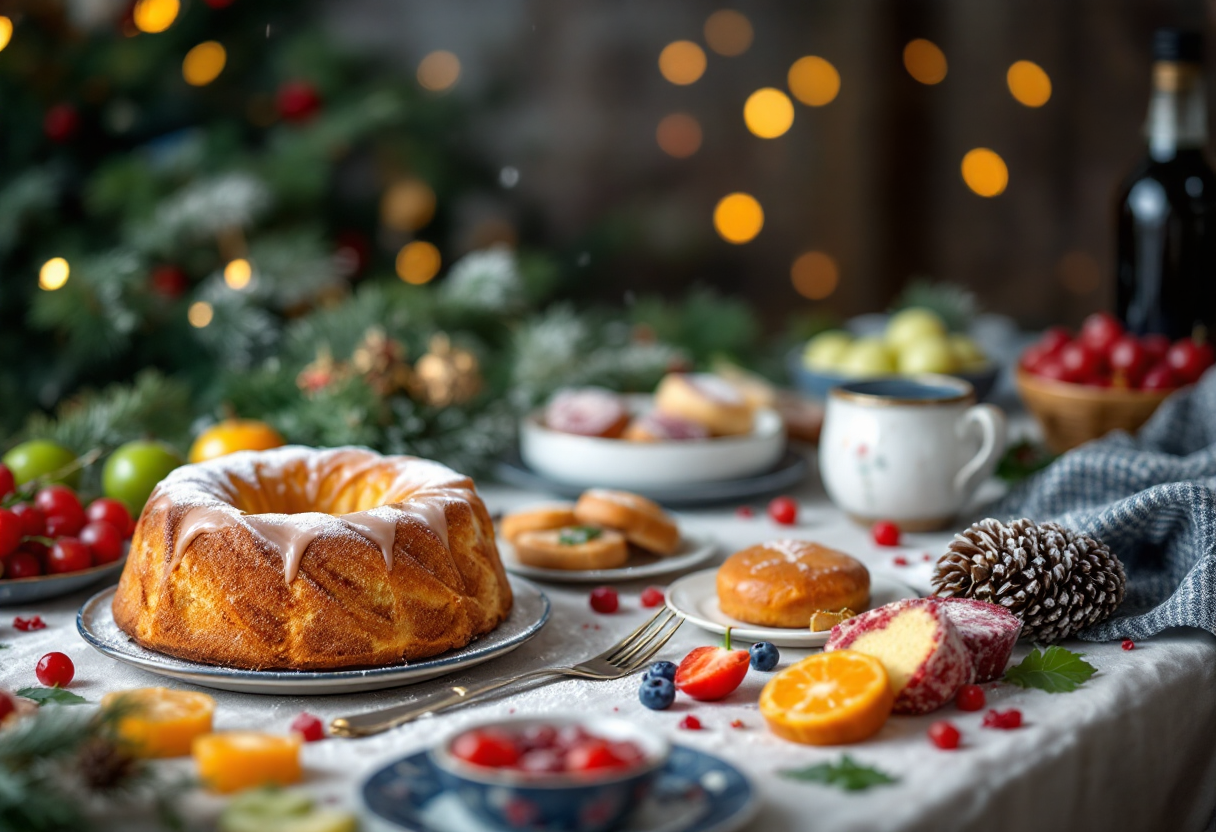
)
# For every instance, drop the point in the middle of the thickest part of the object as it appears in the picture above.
(867, 357)
(826, 350)
(913, 324)
(133, 471)
(40, 457)
(927, 355)
(967, 353)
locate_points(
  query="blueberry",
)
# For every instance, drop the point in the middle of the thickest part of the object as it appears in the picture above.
(657, 693)
(764, 656)
(662, 670)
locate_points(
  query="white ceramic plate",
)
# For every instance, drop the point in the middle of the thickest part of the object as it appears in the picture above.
(95, 621)
(590, 461)
(695, 597)
(694, 550)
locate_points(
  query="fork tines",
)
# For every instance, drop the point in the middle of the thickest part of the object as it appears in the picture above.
(639, 646)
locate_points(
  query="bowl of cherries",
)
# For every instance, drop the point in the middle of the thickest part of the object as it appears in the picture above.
(51, 543)
(1103, 379)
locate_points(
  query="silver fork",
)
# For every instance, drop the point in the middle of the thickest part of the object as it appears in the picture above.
(619, 660)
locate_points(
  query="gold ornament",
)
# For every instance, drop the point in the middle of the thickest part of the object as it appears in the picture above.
(446, 375)
(381, 362)
(321, 373)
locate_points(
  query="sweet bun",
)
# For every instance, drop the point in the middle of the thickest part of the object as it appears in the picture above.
(783, 582)
(642, 522)
(537, 519)
(577, 547)
(707, 399)
(664, 427)
(587, 411)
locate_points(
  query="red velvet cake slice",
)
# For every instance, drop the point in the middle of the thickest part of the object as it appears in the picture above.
(989, 631)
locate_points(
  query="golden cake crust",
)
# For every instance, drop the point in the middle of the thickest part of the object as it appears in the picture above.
(782, 582)
(312, 559)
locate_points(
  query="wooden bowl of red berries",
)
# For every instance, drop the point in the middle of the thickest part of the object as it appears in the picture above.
(1103, 379)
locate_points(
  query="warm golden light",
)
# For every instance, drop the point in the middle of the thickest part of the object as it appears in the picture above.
(6, 31)
(925, 61)
(679, 135)
(728, 32)
(407, 205)
(814, 81)
(439, 71)
(1079, 272)
(984, 172)
(682, 62)
(53, 274)
(200, 314)
(815, 275)
(738, 218)
(154, 16)
(1028, 83)
(418, 262)
(238, 273)
(769, 113)
(204, 63)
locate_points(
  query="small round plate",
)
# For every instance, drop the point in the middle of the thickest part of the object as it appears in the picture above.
(96, 625)
(695, 792)
(694, 550)
(20, 591)
(695, 597)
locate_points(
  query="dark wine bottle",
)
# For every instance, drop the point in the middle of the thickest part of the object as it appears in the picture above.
(1167, 208)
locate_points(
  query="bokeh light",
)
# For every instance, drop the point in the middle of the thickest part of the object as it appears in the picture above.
(728, 32)
(439, 71)
(679, 135)
(925, 61)
(814, 81)
(200, 314)
(418, 262)
(769, 113)
(1028, 83)
(6, 31)
(53, 274)
(985, 172)
(407, 205)
(682, 62)
(238, 273)
(1079, 272)
(738, 218)
(154, 16)
(204, 63)
(815, 275)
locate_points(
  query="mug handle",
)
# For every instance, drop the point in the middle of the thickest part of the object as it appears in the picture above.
(991, 420)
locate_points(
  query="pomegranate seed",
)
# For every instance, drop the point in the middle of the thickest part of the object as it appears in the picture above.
(745, 512)
(690, 723)
(737, 723)
(604, 599)
(900, 560)
(944, 735)
(885, 533)
(783, 510)
(1005, 720)
(927, 557)
(55, 670)
(969, 698)
(27, 624)
(1128, 644)
(653, 596)
(309, 727)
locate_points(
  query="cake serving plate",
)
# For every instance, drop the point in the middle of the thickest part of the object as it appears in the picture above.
(16, 591)
(694, 550)
(530, 611)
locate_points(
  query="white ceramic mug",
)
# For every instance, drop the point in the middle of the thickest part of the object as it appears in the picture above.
(910, 450)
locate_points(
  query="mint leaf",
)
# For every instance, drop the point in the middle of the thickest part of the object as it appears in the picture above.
(578, 535)
(57, 695)
(1056, 671)
(846, 774)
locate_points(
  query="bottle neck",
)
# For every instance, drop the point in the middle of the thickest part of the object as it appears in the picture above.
(1177, 111)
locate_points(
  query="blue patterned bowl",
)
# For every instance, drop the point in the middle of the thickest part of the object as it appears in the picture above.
(515, 800)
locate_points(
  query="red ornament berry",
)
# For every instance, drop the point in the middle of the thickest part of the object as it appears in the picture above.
(900, 560)
(113, 512)
(1128, 644)
(33, 521)
(944, 735)
(885, 533)
(604, 599)
(8, 484)
(298, 101)
(783, 510)
(745, 512)
(68, 554)
(970, 698)
(22, 564)
(104, 542)
(55, 670)
(61, 122)
(26, 624)
(653, 596)
(309, 727)
(169, 282)
(7, 705)
(690, 723)
(11, 532)
(1005, 720)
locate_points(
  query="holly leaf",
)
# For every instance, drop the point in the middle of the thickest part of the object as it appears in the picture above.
(845, 774)
(59, 696)
(1056, 670)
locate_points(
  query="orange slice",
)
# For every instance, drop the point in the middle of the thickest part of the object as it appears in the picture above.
(229, 761)
(828, 699)
(162, 722)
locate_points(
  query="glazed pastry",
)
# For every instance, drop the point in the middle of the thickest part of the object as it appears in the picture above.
(537, 519)
(587, 411)
(663, 427)
(642, 522)
(573, 547)
(707, 399)
(783, 583)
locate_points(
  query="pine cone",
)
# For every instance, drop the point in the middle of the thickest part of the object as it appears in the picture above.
(1056, 580)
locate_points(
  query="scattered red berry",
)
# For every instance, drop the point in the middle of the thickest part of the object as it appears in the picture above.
(8, 483)
(927, 557)
(55, 670)
(26, 624)
(885, 533)
(486, 748)
(944, 735)
(1128, 644)
(690, 723)
(11, 532)
(970, 698)
(604, 599)
(900, 560)
(309, 727)
(653, 596)
(711, 673)
(112, 512)
(298, 101)
(22, 564)
(33, 521)
(68, 554)
(170, 282)
(7, 705)
(1005, 720)
(783, 510)
(104, 542)
(737, 723)
(745, 512)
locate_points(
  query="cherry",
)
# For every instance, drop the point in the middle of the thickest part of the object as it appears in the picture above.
(1052, 368)
(591, 755)
(604, 599)
(969, 698)
(104, 542)
(1128, 644)
(309, 727)
(690, 723)
(11, 532)
(60, 525)
(58, 499)
(885, 533)
(8, 484)
(7, 705)
(653, 596)
(1054, 339)
(112, 512)
(1129, 359)
(1188, 360)
(1155, 347)
(1080, 362)
(55, 670)
(486, 748)
(1160, 377)
(1034, 356)
(1100, 331)
(33, 521)
(68, 554)
(944, 735)
(22, 564)
(783, 510)
(1005, 720)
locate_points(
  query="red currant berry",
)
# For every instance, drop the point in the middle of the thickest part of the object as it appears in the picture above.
(8, 483)
(55, 670)
(900, 560)
(652, 596)
(7, 705)
(26, 624)
(604, 599)
(33, 521)
(745, 512)
(927, 557)
(885, 533)
(1128, 644)
(969, 698)
(783, 510)
(691, 723)
(944, 735)
(104, 542)
(11, 532)
(22, 564)
(68, 554)
(1005, 720)
(112, 512)
(309, 727)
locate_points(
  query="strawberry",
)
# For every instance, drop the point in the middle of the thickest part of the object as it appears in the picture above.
(710, 673)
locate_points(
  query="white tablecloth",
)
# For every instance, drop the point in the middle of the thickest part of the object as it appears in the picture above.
(1134, 749)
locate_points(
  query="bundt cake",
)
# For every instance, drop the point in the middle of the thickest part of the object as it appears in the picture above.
(312, 559)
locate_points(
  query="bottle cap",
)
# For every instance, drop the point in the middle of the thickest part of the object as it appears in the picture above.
(1177, 45)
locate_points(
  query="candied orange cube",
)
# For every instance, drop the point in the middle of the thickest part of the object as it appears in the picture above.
(162, 722)
(229, 761)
